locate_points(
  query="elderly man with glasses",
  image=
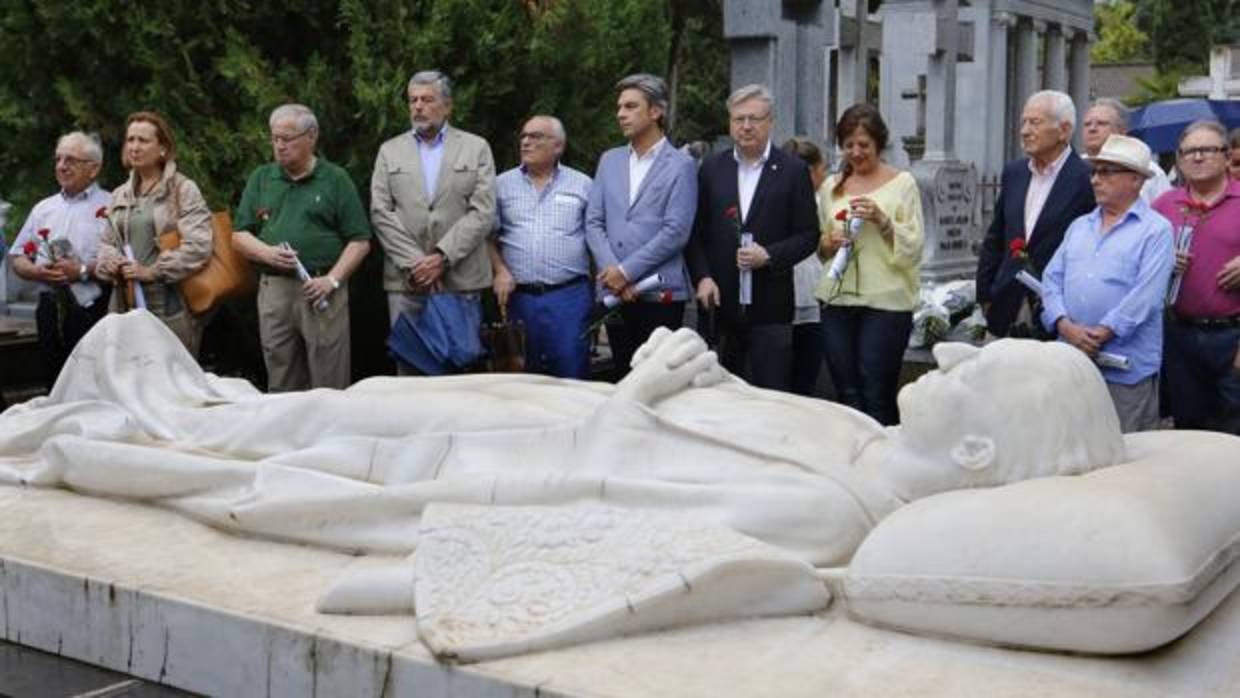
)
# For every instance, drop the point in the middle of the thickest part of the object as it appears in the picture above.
(56, 248)
(1103, 289)
(1202, 346)
(1107, 117)
(302, 222)
(539, 252)
(757, 190)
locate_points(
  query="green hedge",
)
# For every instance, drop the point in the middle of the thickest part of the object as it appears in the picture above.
(217, 69)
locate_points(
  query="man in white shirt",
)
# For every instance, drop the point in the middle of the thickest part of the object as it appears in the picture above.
(56, 248)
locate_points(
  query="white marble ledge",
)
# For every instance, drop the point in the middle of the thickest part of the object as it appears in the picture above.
(151, 593)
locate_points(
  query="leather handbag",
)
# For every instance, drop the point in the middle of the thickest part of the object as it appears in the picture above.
(505, 346)
(226, 274)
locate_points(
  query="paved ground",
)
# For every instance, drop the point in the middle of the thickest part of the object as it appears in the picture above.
(27, 673)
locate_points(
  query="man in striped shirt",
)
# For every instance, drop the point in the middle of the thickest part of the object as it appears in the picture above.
(539, 253)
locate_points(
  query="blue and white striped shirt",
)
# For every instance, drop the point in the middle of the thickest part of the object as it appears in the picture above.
(542, 234)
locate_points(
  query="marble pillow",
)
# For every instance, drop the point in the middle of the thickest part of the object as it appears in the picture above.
(1123, 559)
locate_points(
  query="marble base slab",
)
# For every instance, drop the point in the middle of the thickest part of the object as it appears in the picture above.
(153, 594)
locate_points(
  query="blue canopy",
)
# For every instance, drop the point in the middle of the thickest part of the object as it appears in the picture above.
(1160, 124)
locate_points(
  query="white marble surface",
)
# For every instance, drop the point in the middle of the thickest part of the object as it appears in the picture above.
(150, 592)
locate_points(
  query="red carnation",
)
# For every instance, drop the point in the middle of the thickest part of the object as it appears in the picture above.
(842, 215)
(665, 297)
(730, 212)
(43, 233)
(30, 249)
(1017, 248)
(102, 212)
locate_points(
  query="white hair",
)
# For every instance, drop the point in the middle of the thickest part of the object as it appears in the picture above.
(1117, 107)
(436, 78)
(87, 142)
(299, 113)
(557, 126)
(1060, 105)
(748, 92)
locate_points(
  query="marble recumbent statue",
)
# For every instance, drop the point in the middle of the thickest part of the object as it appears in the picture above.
(546, 512)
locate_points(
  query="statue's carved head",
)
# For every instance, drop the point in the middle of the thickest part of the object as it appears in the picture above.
(1012, 410)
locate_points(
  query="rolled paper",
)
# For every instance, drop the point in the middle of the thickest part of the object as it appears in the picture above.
(305, 276)
(840, 261)
(1108, 360)
(1030, 281)
(746, 278)
(650, 283)
(139, 298)
(1182, 242)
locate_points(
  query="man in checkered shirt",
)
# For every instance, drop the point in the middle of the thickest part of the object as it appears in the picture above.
(542, 266)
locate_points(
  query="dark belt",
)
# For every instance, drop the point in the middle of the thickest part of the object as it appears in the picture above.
(539, 289)
(314, 272)
(1209, 323)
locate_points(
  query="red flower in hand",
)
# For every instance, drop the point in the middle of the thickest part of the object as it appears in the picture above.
(665, 297)
(102, 212)
(30, 249)
(43, 233)
(1017, 248)
(841, 215)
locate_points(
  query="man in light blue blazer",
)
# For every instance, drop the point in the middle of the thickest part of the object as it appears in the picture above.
(639, 218)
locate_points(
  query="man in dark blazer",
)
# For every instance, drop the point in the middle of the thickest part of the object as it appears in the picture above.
(1039, 197)
(762, 191)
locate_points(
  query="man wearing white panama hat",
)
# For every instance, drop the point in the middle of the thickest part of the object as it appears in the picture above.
(1103, 290)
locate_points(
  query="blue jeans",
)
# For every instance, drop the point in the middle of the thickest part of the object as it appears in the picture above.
(1202, 385)
(865, 352)
(555, 325)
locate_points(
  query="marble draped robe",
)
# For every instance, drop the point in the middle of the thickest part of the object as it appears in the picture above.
(133, 416)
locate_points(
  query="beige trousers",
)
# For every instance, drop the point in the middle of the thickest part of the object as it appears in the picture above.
(303, 347)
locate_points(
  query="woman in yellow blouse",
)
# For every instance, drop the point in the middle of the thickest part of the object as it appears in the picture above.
(868, 311)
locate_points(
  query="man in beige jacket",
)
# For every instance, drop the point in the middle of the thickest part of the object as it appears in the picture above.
(433, 203)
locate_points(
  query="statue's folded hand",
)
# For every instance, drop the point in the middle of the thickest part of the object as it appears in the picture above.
(668, 363)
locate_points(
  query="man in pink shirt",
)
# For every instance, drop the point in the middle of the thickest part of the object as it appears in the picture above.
(1200, 354)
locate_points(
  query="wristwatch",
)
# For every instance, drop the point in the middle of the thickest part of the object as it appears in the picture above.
(332, 280)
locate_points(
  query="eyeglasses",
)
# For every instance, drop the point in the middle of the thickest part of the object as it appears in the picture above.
(1202, 151)
(747, 119)
(1104, 171)
(71, 161)
(534, 136)
(281, 139)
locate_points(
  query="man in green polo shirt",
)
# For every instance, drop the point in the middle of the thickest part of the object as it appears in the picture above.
(301, 221)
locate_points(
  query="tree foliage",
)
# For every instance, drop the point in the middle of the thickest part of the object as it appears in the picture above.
(1183, 31)
(1120, 40)
(217, 69)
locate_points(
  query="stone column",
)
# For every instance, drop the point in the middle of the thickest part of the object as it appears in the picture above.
(999, 115)
(1078, 78)
(1026, 62)
(853, 55)
(781, 46)
(1056, 59)
(941, 82)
